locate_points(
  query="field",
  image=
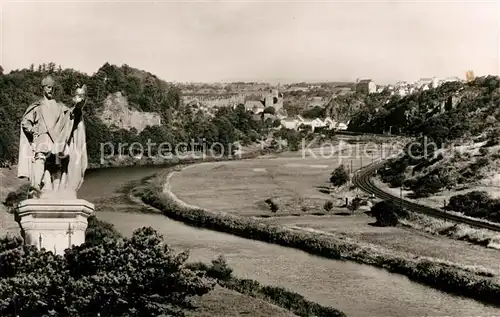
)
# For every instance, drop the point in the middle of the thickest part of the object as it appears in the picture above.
(241, 188)
(295, 183)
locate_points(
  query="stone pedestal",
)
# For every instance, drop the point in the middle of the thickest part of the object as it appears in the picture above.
(54, 224)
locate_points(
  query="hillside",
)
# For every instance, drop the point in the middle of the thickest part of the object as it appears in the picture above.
(340, 104)
(456, 149)
(449, 112)
(124, 104)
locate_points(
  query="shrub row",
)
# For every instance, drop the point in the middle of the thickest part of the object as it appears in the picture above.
(387, 213)
(445, 277)
(279, 296)
(292, 301)
(476, 204)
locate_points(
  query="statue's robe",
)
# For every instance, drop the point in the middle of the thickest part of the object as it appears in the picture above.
(65, 137)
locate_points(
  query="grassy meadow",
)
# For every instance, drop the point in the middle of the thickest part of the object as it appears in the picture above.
(298, 185)
(295, 184)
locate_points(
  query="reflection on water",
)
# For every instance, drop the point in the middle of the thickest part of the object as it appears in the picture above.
(358, 290)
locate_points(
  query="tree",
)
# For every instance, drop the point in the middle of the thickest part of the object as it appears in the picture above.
(98, 231)
(143, 91)
(139, 276)
(226, 133)
(1, 70)
(328, 205)
(355, 204)
(339, 176)
(51, 67)
(387, 213)
(475, 204)
(270, 110)
(316, 112)
(272, 205)
(449, 176)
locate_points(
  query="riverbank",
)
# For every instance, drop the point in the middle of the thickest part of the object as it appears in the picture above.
(247, 292)
(356, 289)
(471, 282)
(9, 182)
(293, 302)
(223, 302)
(236, 297)
(240, 187)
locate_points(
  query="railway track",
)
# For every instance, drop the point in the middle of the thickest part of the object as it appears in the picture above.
(362, 179)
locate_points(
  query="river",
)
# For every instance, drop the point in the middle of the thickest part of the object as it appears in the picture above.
(358, 290)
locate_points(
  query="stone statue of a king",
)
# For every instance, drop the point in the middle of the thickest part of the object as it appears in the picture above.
(52, 147)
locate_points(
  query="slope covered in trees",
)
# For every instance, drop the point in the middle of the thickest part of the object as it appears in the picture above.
(144, 92)
(457, 144)
(451, 111)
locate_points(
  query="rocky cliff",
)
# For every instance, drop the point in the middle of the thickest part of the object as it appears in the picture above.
(117, 111)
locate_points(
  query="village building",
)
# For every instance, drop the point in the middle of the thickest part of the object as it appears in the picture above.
(366, 86)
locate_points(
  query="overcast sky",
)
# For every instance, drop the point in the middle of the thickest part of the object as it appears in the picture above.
(257, 40)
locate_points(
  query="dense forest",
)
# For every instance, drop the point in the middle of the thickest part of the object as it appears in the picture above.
(144, 92)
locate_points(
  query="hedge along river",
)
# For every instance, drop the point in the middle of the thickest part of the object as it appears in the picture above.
(357, 290)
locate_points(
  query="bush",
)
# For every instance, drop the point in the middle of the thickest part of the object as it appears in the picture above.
(392, 172)
(355, 204)
(15, 197)
(387, 213)
(272, 205)
(484, 151)
(294, 302)
(410, 183)
(474, 204)
(328, 205)
(481, 162)
(427, 185)
(140, 276)
(99, 231)
(339, 176)
(220, 269)
(493, 137)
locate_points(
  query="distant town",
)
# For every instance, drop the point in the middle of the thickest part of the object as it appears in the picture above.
(287, 103)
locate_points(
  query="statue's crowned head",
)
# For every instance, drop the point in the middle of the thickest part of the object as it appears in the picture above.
(48, 87)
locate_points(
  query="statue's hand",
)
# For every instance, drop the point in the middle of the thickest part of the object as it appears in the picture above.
(81, 94)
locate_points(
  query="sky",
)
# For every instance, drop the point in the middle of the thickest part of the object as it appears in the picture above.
(265, 41)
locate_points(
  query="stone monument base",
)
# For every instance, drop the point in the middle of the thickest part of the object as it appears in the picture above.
(54, 224)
